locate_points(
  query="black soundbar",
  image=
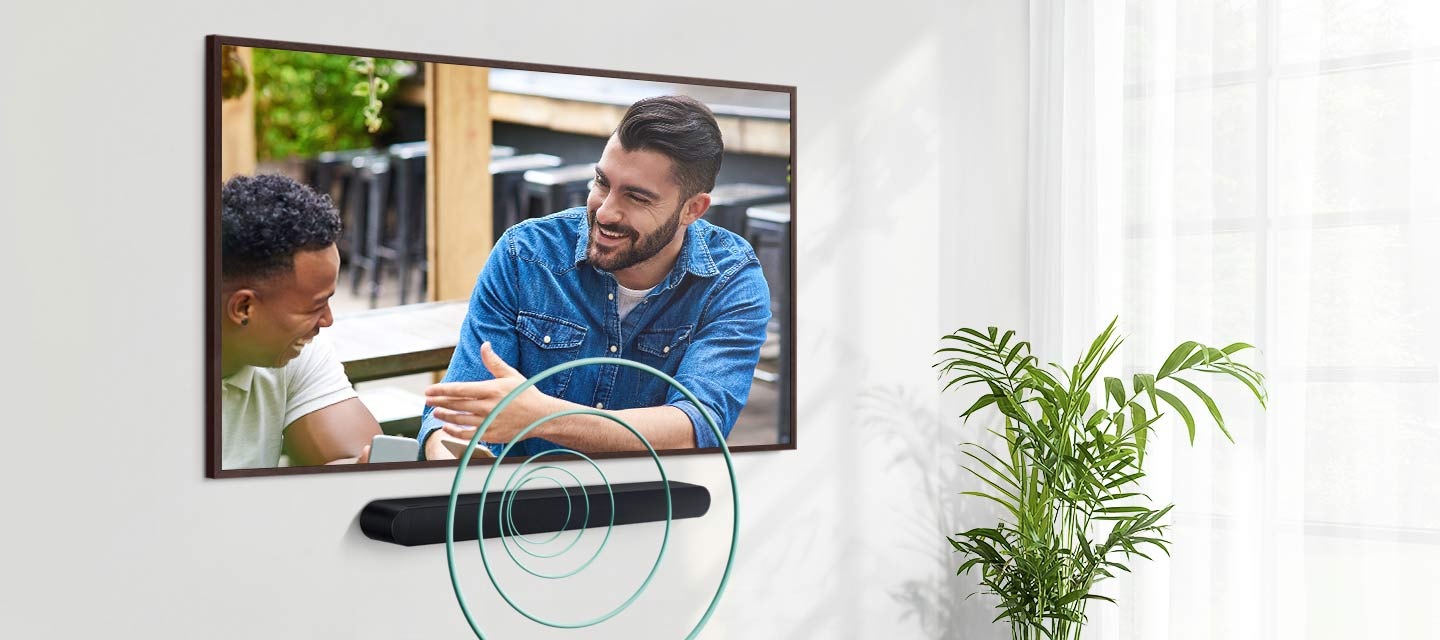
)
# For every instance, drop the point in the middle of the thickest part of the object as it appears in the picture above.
(417, 521)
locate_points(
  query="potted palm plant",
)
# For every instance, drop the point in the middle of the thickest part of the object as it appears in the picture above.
(1069, 470)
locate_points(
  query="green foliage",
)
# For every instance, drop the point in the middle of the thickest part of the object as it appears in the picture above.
(1068, 474)
(306, 103)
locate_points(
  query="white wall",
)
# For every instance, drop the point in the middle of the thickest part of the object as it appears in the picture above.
(910, 172)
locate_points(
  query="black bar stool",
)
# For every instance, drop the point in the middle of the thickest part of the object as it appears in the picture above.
(408, 164)
(331, 173)
(372, 179)
(546, 191)
(507, 174)
(395, 218)
(355, 214)
(728, 202)
(768, 231)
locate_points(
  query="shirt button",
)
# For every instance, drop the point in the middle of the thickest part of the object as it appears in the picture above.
(665, 350)
(612, 296)
(599, 405)
(546, 339)
(614, 348)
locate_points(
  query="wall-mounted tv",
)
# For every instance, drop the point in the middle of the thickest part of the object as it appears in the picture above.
(395, 241)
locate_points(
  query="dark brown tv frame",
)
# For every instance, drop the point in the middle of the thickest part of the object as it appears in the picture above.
(213, 43)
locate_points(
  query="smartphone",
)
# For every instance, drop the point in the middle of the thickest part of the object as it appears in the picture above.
(385, 448)
(457, 447)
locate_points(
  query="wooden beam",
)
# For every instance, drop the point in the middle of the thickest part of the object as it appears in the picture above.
(458, 183)
(237, 126)
(742, 135)
(764, 137)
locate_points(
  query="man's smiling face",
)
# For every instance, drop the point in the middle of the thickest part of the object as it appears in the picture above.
(635, 207)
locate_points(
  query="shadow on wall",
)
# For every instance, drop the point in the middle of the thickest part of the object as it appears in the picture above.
(810, 495)
(858, 264)
(941, 602)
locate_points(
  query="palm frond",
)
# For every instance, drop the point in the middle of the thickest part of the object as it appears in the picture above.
(1069, 469)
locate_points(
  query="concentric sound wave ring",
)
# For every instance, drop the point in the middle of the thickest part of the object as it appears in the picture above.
(526, 474)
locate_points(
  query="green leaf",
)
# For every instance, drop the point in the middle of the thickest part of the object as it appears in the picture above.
(1125, 479)
(984, 401)
(1238, 346)
(1014, 499)
(1203, 355)
(1255, 387)
(1095, 418)
(1180, 408)
(1015, 351)
(1124, 510)
(967, 351)
(1005, 340)
(1209, 404)
(1006, 472)
(1176, 357)
(981, 494)
(1146, 382)
(1251, 378)
(1098, 345)
(983, 347)
(1142, 431)
(969, 379)
(961, 362)
(1009, 407)
(983, 338)
(1048, 381)
(1116, 389)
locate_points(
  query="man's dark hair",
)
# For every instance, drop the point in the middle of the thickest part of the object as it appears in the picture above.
(683, 129)
(265, 220)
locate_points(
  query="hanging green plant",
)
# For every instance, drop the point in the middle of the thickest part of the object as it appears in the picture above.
(1068, 473)
(370, 89)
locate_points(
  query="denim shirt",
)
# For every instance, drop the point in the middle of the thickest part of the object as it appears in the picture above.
(540, 303)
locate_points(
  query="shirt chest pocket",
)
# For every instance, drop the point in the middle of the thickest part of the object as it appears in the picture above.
(548, 332)
(664, 343)
(549, 341)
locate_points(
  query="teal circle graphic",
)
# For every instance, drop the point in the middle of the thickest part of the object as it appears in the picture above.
(654, 568)
(522, 477)
(507, 516)
(569, 513)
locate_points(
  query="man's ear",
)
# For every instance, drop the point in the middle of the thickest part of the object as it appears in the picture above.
(239, 305)
(695, 207)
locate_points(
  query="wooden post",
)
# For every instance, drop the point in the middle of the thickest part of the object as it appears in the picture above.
(237, 126)
(458, 182)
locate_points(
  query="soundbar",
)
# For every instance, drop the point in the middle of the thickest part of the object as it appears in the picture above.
(421, 520)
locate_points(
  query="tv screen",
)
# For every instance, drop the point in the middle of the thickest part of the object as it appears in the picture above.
(398, 242)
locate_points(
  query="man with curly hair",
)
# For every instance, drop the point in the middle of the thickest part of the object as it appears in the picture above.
(634, 274)
(281, 388)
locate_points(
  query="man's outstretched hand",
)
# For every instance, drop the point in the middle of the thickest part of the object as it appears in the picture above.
(463, 406)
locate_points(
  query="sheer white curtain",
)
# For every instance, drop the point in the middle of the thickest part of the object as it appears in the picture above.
(1265, 171)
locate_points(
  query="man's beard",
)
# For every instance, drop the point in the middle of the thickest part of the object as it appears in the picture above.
(640, 250)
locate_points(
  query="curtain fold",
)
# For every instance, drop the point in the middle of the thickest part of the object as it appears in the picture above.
(1265, 171)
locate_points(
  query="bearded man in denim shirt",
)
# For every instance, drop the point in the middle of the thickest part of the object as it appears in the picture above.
(634, 274)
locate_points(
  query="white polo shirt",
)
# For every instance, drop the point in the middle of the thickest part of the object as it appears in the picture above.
(257, 403)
